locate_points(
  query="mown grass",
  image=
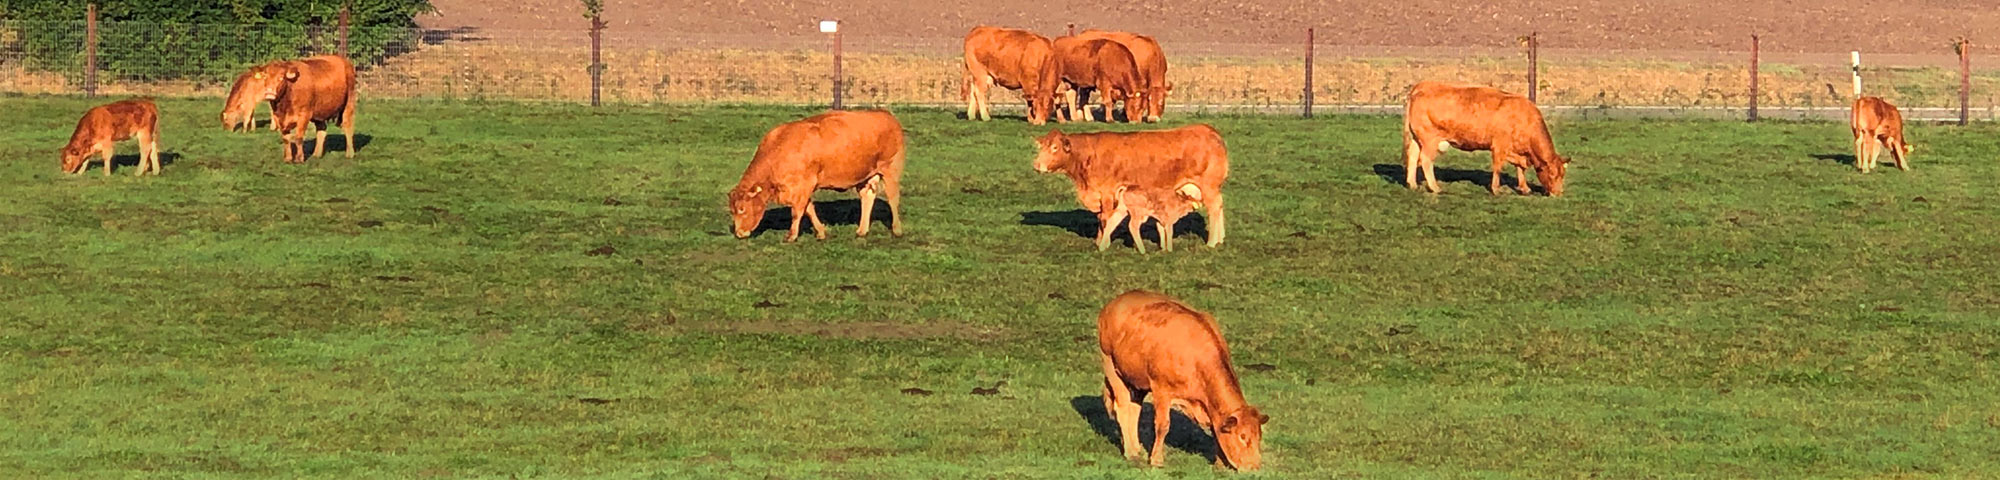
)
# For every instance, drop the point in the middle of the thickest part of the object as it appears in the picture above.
(1712, 300)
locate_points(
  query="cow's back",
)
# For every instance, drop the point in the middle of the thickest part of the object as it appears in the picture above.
(840, 148)
(1470, 116)
(1158, 157)
(1016, 58)
(1154, 339)
(325, 86)
(1147, 57)
(1877, 117)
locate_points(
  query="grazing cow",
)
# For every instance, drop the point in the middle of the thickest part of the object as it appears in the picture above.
(1103, 66)
(1152, 343)
(1475, 118)
(241, 106)
(1152, 63)
(1876, 124)
(838, 150)
(311, 90)
(1166, 206)
(1162, 160)
(104, 125)
(1016, 59)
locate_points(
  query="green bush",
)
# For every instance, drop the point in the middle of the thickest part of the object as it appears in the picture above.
(201, 40)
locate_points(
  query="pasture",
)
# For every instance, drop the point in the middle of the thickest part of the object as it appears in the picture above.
(543, 290)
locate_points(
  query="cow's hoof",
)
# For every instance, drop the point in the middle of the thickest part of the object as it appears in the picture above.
(896, 233)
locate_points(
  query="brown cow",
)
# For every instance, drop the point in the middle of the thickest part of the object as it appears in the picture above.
(1876, 124)
(1152, 343)
(311, 90)
(1166, 160)
(104, 125)
(1152, 63)
(838, 150)
(1475, 118)
(1166, 206)
(1016, 59)
(241, 106)
(1103, 66)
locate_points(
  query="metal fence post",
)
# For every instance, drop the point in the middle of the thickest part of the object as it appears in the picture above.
(837, 81)
(344, 9)
(1964, 80)
(1309, 73)
(90, 51)
(1754, 46)
(596, 58)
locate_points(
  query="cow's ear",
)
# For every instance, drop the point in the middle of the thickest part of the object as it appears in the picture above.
(291, 74)
(1263, 419)
(1063, 144)
(1227, 425)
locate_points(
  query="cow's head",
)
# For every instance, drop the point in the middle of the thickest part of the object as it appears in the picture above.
(275, 79)
(1042, 94)
(1135, 106)
(1052, 152)
(1551, 174)
(1156, 100)
(73, 158)
(746, 209)
(1241, 436)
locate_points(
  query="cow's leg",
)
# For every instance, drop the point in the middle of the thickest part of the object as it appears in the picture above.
(868, 204)
(1499, 164)
(819, 229)
(319, 145)
(1107, 100)
(1412, 152)
(347, 128)
(1521, 180)
(1123, 408)
(1163, 420)
(1896, 152)
(1874, 153)
(107, 151)
(1132, 228)
(985, 97)
(1166, 231)
(1430, 173)
(1216, 226)
(1109, 223)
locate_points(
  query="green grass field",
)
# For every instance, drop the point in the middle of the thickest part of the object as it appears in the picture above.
(1711, 300)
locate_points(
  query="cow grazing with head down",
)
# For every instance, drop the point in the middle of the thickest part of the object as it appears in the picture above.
(1191, 158)
(103, 126)
(838, 150)
(1150, 343)
(1152, 63)
(313, 90)
(241, 106)
(1016, 59)
(1474, 118)
(1102, 66)
(1878, 124)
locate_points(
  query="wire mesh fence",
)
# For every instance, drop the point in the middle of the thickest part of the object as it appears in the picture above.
(663, 67)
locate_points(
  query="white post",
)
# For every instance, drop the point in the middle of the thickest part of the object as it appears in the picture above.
(1857, 72)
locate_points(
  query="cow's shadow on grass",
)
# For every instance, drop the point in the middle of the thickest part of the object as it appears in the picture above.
(836, 213)
(1183, 434)
(337, 143)
(1393, 174)
(1084, 224)
(131, 160)
(1840, 158)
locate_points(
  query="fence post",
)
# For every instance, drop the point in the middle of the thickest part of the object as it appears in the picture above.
(833, 27)
(1755, 43)
(1309, 73)
(1072, 29)
(1964, 80)
(1856, 56)
(90, 51)
(596, 57)
(1534, 65)
(344, 9)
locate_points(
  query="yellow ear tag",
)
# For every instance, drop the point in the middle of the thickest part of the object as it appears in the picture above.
(260, 75)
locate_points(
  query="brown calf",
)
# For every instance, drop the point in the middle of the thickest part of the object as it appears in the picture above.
(1876, 123)
(1475, 118)
(104, 125)
(241, 106)
(1016, 59)
(1152, 63)
(1097, 164)
(1165, 205)
(1152, 343)
(838, 150)
(311, 90)
(1103, 66)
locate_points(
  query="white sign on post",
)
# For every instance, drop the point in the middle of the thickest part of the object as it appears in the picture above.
(829, 26)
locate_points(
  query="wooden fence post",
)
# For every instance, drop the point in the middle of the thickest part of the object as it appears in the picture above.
(344, 12)
(596, 58)
(1534, 40)
(1072, 29)
(1755, 43)
(90, 52)
(1309, 73)
(833, 27)
(1964, 80)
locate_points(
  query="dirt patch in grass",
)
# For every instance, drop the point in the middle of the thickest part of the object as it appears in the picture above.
(863, 330)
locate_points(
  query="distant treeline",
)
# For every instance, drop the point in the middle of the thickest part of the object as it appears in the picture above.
(201, 40)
